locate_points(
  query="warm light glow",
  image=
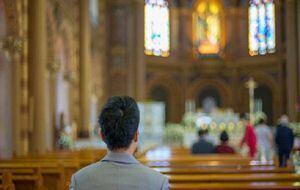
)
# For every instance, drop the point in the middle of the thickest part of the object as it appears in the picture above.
(157, 28)
(207, 27)
(213, 125)
(261, 27)
(222, 126)
(231, 126)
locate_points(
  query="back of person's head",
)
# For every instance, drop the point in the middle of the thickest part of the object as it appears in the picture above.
(202, 132)
(284, 120)
(261, 121)
(224, 137)
(245, 116)
(119, 122)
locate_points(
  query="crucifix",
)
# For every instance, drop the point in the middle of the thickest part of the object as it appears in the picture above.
(251, 85)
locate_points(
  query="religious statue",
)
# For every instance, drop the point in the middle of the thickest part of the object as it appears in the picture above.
(65, 140)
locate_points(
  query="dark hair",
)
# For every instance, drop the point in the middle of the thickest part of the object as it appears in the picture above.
(245, 116)
(119, 121)
(202, 132)
(261, 121)
(224, 136)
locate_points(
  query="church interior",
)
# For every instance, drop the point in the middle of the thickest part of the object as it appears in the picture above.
(192, 65)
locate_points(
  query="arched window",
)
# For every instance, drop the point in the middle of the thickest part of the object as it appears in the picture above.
(157, 28)
(207, 26)
(261, 27)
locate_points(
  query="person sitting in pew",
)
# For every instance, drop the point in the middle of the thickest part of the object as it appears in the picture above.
(224, 148)
(119, 169)
(203, 146)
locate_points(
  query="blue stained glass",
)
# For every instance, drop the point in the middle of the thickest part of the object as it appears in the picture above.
(261, 27)
(157, 28)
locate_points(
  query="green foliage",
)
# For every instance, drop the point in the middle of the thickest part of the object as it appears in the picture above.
(174, 135)
(189, 120)
(296, 129)
(258, 116)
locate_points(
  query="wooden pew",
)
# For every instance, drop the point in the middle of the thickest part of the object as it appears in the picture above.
(237, 186)
(55, 174)
(222, 164)
(186, 171)
(218, 170)
(25, 179)
(214, 178)
(6, 182)
(54, 169)
(58, 167)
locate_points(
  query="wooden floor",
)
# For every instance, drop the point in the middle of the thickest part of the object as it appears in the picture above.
(53, 171)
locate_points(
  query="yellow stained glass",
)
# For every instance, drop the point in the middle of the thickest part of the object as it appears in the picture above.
(207, 27)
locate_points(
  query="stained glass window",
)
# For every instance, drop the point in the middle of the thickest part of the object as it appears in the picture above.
(157, 28)
(94, 12)
(207, 27)
(261, 27)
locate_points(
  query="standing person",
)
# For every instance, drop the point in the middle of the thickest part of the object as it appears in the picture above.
(202, 146)
(264, 140)
(119, 121)
(284, 139)
(224, 148)
(249, 136)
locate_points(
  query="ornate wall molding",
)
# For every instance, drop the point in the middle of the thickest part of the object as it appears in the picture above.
(267, 80)
(201, 84)
(174, 91)
(12, 45)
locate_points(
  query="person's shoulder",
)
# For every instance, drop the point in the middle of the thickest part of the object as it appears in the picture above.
(150, 172)
(87, 170)
(195, 144)
(152, 177)
(218, 147)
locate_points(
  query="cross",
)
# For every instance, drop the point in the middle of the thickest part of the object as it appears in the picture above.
(251, 85)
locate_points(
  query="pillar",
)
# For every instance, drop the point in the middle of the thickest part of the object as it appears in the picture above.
(15, 51)
(291, 58)
(140, 56)
(12, 46)
(37, 59)
(84, 66)
(298, 31)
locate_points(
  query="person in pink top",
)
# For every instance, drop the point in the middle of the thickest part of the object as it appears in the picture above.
(249, 136)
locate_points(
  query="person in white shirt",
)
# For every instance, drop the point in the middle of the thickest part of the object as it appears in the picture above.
(265, 140)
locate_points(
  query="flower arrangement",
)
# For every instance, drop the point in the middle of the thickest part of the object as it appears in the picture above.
(296, 129)
(174, 134)
(258, 116)
(189, 120)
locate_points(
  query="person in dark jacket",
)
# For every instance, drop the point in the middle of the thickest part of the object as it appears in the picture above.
(202, 146)
(284, 139)
(224, 148)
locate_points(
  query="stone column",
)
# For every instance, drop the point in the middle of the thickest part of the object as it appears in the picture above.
(140, 56)
(298, 29)
(84, 66)
(291, 58)
(185, 31)
(37, 58)
(53, 67)
(13, 47)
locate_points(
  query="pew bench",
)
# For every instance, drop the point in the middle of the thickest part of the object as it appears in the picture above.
(29, 179)
(226, 164)
(237, 186)
(6, 182)
(229, 178)
(218, 170)
(52, 175)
